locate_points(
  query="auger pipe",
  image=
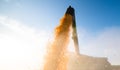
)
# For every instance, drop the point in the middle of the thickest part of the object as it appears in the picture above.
(71, 11)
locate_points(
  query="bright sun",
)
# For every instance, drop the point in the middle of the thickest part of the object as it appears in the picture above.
(21, 47)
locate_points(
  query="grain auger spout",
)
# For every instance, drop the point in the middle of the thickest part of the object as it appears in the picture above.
(71, 11)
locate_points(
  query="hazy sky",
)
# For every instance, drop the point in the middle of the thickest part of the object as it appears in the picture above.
(31, 22)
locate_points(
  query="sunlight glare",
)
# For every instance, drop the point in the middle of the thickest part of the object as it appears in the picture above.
(22, 48)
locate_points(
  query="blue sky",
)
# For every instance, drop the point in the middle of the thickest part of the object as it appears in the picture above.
(90, 14)
(98, 22)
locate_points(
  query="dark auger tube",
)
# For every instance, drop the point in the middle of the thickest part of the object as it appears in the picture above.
(71, 11)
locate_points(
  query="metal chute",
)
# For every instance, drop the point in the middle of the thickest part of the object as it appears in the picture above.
(71, 11)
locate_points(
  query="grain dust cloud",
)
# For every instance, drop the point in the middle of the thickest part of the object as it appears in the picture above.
(56, 58)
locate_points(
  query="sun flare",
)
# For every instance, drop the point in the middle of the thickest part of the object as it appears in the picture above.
(21, 47)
